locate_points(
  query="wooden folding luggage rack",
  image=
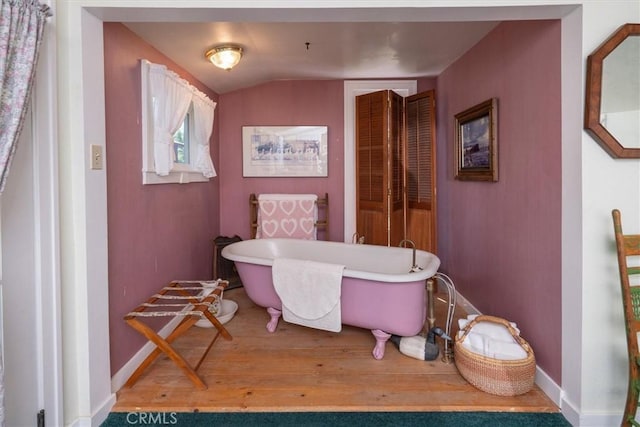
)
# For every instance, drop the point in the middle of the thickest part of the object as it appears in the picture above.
(192, 302)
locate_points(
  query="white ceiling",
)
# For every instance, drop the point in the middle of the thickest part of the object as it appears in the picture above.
(337, 50)
(346, 42)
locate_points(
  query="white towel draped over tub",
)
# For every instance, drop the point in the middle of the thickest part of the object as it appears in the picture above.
(310, 292)
(287, 215)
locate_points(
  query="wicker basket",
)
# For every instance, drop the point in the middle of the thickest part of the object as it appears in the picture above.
(501, 377)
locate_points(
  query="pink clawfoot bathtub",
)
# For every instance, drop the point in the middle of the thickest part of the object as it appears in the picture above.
(379, 290)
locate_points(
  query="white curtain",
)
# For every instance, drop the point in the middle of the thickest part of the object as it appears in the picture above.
(21, 29)
(203, 109)
(171, 100)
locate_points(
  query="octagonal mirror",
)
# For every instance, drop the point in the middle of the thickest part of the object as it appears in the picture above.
(612, 110)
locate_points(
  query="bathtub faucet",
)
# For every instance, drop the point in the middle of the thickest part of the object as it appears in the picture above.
(414, 266)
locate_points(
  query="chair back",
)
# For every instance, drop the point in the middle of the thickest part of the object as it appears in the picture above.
(628, 245)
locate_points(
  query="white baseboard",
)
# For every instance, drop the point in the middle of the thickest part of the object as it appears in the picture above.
(102, 413)
(81, 422)
(585, 419)
(549, 387)
(121, 377)
(98, 417)
(594, 420)
(570, 411)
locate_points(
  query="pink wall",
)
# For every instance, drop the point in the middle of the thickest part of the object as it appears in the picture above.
(157, 233)
(280, 103)
(500, 242)
(427, 83)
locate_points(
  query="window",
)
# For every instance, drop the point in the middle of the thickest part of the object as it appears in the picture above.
(181, 148)
(177, 122)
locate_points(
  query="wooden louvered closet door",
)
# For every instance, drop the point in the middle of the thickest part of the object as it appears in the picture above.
(379, 170)
(395, 169)
(420, 170)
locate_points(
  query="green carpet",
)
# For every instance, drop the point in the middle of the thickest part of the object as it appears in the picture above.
(333, 419)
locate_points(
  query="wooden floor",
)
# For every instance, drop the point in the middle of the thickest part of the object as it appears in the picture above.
(302, 369)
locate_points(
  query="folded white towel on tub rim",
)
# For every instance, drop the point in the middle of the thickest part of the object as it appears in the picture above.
(310, 292)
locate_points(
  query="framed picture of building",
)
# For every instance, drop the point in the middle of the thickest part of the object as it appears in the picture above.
(284, 151)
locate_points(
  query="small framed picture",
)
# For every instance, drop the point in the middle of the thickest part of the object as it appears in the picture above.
(476, 142)
(284, 151)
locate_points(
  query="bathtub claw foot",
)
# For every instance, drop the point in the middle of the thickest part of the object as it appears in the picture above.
(275, 317)
(381, 339)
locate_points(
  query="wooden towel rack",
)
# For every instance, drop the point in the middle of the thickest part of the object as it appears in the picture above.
(322, 224)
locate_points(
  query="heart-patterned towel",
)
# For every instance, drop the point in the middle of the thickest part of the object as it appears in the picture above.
(287, 215)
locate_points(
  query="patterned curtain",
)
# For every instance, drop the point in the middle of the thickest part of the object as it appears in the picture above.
(21, 29)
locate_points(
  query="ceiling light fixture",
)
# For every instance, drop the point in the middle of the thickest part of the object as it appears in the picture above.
(225, 57)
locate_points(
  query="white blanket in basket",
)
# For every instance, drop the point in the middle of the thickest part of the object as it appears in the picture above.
(491, 340)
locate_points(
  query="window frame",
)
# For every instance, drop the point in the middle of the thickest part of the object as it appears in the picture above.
(180, 173)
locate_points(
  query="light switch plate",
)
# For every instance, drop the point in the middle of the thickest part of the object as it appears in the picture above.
(96, 157)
